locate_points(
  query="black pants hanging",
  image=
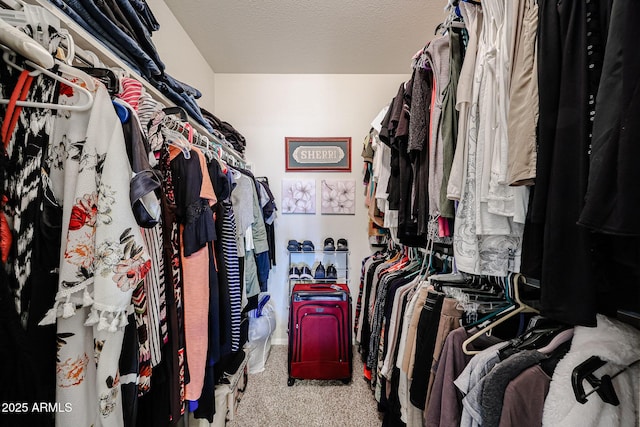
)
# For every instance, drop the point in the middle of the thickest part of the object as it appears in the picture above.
(426, 335)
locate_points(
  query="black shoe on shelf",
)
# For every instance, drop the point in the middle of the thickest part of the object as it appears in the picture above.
(319, 273)
(294, 246)
(332, 272)
(342, 245)
(294, 272)
(329, 244)
(307, 246)
(305, 272)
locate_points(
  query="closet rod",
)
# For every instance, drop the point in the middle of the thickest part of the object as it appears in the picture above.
(88, 42)
(179, 126)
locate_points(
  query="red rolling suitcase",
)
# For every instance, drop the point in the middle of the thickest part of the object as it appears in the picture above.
(320, 332)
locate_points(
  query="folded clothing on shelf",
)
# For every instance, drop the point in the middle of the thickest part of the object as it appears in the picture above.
(229, 133)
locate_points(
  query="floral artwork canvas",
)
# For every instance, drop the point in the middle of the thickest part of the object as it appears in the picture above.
(298, 196)
(338, 197)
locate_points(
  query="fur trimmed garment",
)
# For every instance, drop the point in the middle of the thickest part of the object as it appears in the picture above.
(619, 345)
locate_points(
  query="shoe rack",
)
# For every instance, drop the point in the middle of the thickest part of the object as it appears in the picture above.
(311, 260)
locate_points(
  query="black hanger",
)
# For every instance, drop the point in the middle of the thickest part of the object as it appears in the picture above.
(106, 76)
(533, 339)
(176, 111)
(603, 386)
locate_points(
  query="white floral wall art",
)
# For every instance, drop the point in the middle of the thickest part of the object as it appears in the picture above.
(338, 197)
(298, 196)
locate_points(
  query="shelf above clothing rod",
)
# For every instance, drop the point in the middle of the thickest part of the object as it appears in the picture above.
(88, 42)
(630, 317)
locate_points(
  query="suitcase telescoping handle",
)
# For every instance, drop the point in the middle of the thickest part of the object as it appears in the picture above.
(325, 286)
(315, 296)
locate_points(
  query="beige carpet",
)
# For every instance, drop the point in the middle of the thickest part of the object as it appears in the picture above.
(269, 402)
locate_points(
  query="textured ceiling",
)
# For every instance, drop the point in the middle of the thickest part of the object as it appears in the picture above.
(304, 36)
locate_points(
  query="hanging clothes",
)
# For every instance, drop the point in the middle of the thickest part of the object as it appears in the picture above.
(29, 291)
(618, 345)
(230, 252)
(569, 288)
(611, 203)
(523, 95)
(484, 242)
(175, 353)
(450, 114)
(194, 198)
(103, 258)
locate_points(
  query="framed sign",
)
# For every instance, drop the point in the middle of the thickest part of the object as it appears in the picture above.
(318, 154)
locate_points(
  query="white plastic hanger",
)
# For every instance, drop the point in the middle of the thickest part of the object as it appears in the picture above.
(21, 43)
(175, 137)
(7, 58)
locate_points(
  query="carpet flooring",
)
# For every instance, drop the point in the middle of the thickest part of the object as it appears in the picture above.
(269, 402)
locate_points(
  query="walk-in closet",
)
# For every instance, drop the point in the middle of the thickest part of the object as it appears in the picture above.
(337, 213)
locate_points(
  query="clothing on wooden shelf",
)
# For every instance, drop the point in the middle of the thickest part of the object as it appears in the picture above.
(133, 46)
(227, 131)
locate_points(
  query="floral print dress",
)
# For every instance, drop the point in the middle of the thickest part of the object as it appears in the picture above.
(102, 257)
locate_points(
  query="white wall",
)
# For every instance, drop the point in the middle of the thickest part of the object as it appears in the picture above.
(181, 56)
(266, 109)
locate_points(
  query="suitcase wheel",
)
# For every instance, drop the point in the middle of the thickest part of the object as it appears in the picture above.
(346, 380)
(291, 381)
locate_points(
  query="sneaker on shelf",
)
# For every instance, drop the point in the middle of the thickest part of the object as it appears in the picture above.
(332, 272)
(319, 273)
(294, 246)
(305, 272)
(329, 244)
(294, 272)
(307, 246)
(342, 245)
